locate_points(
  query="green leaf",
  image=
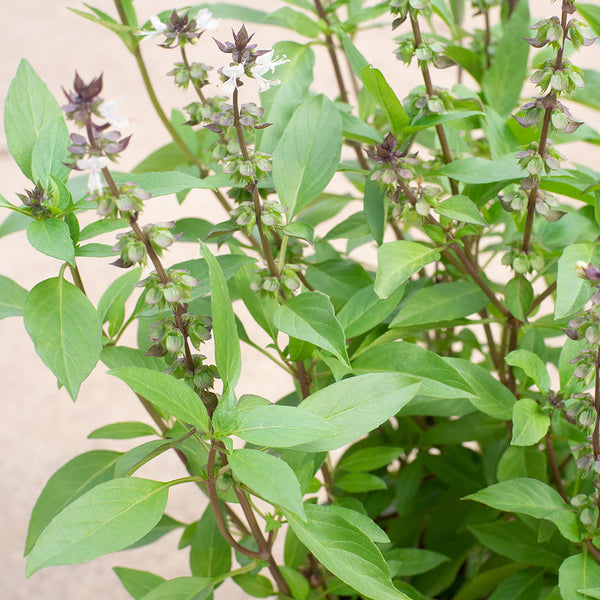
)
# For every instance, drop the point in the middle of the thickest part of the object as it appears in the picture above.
(166, 393)
(119, 290)
(405, 562)
(469, 60)
(125, 430)
(503, 81)
(107, 518)
(257, 586)
(460, 208)
(572, 292)
(432, 120)
(346, 551)
(137, 457)
(355, 58)
(270, 478)
(65, 330)
(299, 230)
(438, 379)
(164, 526)
(308, 153)
(227, 343)
(282, 100)
(138, 583)
(181, 588)
(397, 261)
(357, 483)
(294, 20)
(48, 154)
(524, 585)
(73, 479)
(441, 302)
(369, 459)
(310, 317)
(519, 296)
(521, 461)
(32, 117)
(576, 575)
(531, 497)
(238, 12)
(533, 366)
(491, 397)
(479, 170)
(122, 356)
(210, 554)
(357, 405)
(375, 207)
(530, 424)
(278, 426)
(356, 129)
(366, 310)
(12, 298)
(52, 238)
(375, 82)
(363, 522)
(517, 542)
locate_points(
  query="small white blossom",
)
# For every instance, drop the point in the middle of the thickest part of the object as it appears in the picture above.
(264, 64)
(205, 21)
(95, 164)
(158, 27)
(107, 111)
(233, 72)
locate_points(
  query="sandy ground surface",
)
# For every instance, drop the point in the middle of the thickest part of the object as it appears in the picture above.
(41, 428)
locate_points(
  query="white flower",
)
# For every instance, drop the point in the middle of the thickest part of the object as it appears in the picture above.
(158, 28)
(107, 111)
(205, 21)
(95, 164)
(233, 72)
(265, 63)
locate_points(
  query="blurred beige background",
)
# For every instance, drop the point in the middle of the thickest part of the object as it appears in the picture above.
(41, 428)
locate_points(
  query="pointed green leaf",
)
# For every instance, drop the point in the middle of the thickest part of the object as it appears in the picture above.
(278, 426)
(138, 583)
(491, 397)
(310, 317)
(534, 498)
(12, 298)
(210, 553)
(346, 551)
(503, 81)
(405, 562)
(572, 292)
(519, 296)
(533, 366)
(125, 430)
(369, 459)
(107, 518)
(438, 378)
(122, 286)
(524, 585)
(295, 20)
(357, 405)
(375, 82)
(300, 230)
(32, 117)
(270, 478)
(281, 101)
(479, 170)
(460, 208)
(577, 574)
(167, 393)
(122, 356)
(530, 424)
(441, 302)
(397, 261)
(308, 153)
(182, 588)
(65, 330)
(52, 237)
(227, 343)
(73, 479)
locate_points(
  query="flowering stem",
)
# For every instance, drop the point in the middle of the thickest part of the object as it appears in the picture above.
(446, 153)
(566, 5)
(266, 246)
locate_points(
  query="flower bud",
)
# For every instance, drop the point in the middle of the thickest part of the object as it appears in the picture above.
(172, 292)
(136, 252)
(174, 342)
